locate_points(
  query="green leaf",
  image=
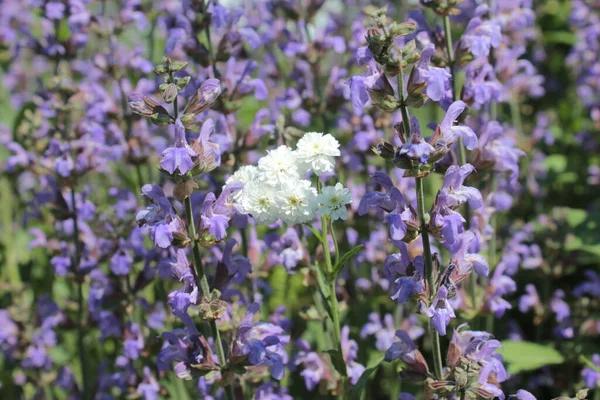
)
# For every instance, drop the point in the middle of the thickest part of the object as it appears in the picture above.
(315, 232)
(362, 381)
(528, 356)
(345, 258)
(337, 359)
(324, 289)
(556, 163)
(561, 37)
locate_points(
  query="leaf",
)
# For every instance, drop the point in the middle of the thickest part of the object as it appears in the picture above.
(344, 260)
(337, 359)
(362, 381)
(528, 356)
(324, 289)
(316, 233)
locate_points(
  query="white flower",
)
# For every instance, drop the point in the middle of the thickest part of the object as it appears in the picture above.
(246, 174)
(333, 200)
(278, 166)
(297, 202)
(317, 151)
(259, 200)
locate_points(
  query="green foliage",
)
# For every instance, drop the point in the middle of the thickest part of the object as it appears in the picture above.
(528, 356)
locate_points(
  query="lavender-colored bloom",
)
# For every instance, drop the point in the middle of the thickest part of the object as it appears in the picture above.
(405, 350)
(271, 391)
(523, 395)
(314, 369)
(149, 388)
(453, 194)
(496, 147)
(133, 345)
(350, 353)
(451, 133)
(217, 212)
(385, 333)
(55, 10)
(440, 311)
(286, 249)
(590, 287)
(480, 36)
(179, 157)
(481, 86)
(399, 212)
(529, 300)
(121, 262)
(591, 376)
(260, 343)
(559, 306)
(435, 79)
(8, 331)
(417, 149)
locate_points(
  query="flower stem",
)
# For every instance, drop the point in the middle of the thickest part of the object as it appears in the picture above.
(333, 303)
(203, 281)
(435, 339)
(80, 300)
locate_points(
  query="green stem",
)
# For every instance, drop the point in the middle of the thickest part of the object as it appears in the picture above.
(403, 107)
(515, 114)
(435, 339)
(463, 394)
(334, 305)
(80, 300)
(203, 281)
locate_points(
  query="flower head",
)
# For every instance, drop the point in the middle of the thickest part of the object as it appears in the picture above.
(316, 152)
(333, 200)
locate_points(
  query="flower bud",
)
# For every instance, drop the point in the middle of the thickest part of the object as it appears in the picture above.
(402, 29)
(170, 91)
(149, 108)
(182, 82)
(206, 95)
(177, 66)
(189, 121)
(212, 309)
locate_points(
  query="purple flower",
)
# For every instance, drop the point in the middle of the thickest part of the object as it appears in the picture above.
(286, 249)
(350, 350)
(217, 212)
(260, 343)
(440, 311)
(405, 350)
(451, 133)
(121, 262)
(590, 287)
(180, 156)
(385, 333)
(436, 80)
(453, 194)
(392, 202)
(523, 395)
(481, 86)
(271, 391)
(529, 300)
(591, 375)
(314, 369)
(417, 148)
(480, 36)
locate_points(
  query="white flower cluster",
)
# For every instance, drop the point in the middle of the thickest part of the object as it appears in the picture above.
(275, 189)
